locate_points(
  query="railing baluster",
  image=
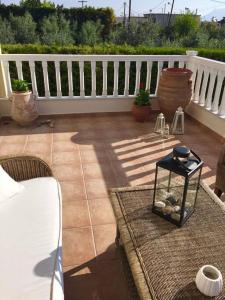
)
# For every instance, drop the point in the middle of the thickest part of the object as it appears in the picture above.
(202, 97)
(138, 77)
(104, 88)
(171, 64)
(19, 69)
(181, 64)
(160, 66)
(222, 105)
(7, 77)
(58, 79)
(93, 78)
(127, 78)
(215, 104)
(208, 103)
(198, 85)
(70, 77)
(46, 80)
(116, 78)
(33, 77)
(81, 68)
(149, 76)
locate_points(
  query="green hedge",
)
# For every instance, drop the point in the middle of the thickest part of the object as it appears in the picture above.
(83, 49)
(217, 54)
(99, 49)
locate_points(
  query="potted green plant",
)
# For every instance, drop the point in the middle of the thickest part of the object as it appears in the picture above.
(142, 106)
(24, 108)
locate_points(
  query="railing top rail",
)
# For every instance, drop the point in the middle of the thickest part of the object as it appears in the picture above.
(206, 62)
(91, 57)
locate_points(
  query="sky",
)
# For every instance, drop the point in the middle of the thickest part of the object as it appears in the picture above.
(144, 6)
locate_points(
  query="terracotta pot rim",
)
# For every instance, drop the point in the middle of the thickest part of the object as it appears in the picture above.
(21, 93)
(177, 71)
(149, 105)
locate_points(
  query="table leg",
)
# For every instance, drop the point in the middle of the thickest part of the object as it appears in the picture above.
(117, 240)
(218, 192)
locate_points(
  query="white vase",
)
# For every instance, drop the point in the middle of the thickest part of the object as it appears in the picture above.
(209, 281)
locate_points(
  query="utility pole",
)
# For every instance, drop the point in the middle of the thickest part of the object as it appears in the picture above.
(129, 11)
(82, 1)
(171, 12)
(124, 13)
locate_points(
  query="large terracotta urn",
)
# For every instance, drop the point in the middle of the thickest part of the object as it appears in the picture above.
(174, 90)
(24, 108)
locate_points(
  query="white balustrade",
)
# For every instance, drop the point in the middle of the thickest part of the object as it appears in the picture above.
(116, 78)
(209, 84)
(33, 77)
(127, 78)
(46, 80)
(138, 77)
(207, 80)
(70, 78)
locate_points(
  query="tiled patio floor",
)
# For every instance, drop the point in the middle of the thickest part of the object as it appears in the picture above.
(90, 154)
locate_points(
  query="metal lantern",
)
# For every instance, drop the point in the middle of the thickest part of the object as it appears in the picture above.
(160, 124)
(176, 187)
(178, 122)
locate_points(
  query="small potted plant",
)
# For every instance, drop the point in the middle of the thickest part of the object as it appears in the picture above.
(142, 106)
(24, 108)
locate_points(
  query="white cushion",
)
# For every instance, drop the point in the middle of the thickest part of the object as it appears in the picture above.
(8, 186)
(30, 239)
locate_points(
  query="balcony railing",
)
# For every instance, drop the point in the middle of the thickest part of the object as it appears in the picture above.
(153, 65)
(109, 83)
(208, 84)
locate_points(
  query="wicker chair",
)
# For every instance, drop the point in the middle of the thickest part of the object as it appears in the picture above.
(25, 167)
(220, 174)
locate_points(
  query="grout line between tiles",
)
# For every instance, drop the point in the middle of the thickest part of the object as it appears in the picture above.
(51, 150)
(25, 144)
(89, 213)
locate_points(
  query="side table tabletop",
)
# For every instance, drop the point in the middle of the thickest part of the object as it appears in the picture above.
(163, 258)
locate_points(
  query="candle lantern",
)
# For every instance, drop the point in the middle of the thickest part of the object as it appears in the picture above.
(176, 187)
(160, 124)
(178, 122)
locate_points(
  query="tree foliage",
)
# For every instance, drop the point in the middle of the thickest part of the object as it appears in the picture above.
(24, 29)
(6, 33)
(55, 30)
(90, 33)
(186, 24)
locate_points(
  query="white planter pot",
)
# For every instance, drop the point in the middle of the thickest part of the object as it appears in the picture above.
(209, 281)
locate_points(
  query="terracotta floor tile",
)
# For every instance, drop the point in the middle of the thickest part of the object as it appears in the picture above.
(78, 246)
(64, 136)
(67, 172)
(38, 147)
(96, 188)
(42, 137)
(73, 190)
(47, 157)
(101, 211)
(93, 156)
(90, 144)
(66, 157)
(75, 214)
(98, 170)
(104, 236)
(63, 146)
(7, 149)
(14, 139)
(82, 287)
(112, 280)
